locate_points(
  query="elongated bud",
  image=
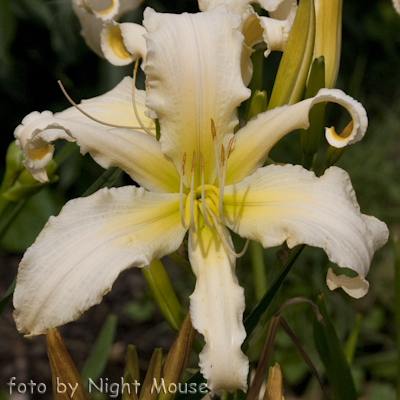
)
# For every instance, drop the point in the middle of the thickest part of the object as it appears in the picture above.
(25, 185)
(295, 63)
(153, 384)
(328, 37)
(177, 358)
(311, 137)
(274, 390)
(14, 166)
(131, 373)
(259, 103)
(164, 293)
(67, 383)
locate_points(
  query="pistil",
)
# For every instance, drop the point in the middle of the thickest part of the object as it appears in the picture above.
(203, 200)
(192, 210)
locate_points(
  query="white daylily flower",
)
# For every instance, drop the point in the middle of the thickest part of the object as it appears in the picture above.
(200, 178)
(93, 13)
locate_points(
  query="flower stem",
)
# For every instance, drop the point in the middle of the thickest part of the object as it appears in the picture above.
(257, 262)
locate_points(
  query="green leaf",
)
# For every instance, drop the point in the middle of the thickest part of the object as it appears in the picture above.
(351, 343)
(30, 220)
(252, 320)
(97, 360)
(7, 297)
(332, 355)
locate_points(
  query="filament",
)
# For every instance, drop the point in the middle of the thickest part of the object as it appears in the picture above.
(91, 117)
(192, 219)
(222, 183)
(227, 245)
(134, 99)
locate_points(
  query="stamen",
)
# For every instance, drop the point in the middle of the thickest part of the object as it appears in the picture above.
(203, 201)
(222, 182)
(93, 118)
(214, 136)
(230, 146)
(134, 98)
(192, 220)
(181, 194)
(227, 245)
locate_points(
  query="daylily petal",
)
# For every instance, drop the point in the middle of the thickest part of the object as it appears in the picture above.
(105, 14)
(277, 27)
(114, 107)
(279, 203)
(355, 287)
(396, 5)
(123, 43)
(79, 254)
(193, 76)
(138, 154)
(256, 139)
(234, 6)
(216, 311)
(239, 6)
(92, 24)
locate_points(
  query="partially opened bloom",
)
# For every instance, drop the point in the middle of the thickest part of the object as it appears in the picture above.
(199, 178)
(92, 14)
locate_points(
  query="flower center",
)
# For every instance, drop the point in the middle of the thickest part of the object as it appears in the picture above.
(207, 198)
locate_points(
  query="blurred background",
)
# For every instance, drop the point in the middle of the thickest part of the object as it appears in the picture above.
(40, 43)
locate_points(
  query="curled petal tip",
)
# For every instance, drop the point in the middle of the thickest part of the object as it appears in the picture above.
(356, 287)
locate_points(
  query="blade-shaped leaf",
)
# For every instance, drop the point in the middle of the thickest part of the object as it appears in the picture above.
(332, 355)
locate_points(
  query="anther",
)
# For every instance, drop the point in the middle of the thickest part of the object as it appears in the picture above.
(213, 130)
(214, 136)
(183, 164)
(222, 156)
(230, 146)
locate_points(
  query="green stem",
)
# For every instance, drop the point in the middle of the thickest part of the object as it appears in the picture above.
(107, 179)
(257, 263)
(252, 320)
